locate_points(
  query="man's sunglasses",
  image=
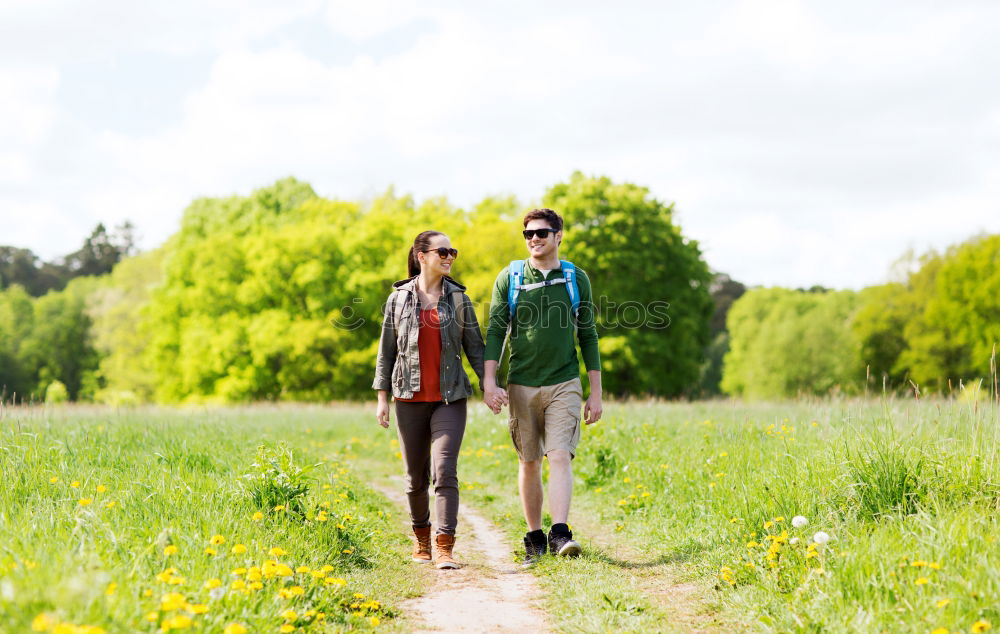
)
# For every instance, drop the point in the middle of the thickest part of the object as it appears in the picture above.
(443, 252)
(541, 233)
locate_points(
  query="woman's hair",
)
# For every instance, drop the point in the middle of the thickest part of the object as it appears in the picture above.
(421, 243)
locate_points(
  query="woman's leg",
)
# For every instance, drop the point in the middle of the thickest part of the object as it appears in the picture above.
(447, 429)
(413, 423)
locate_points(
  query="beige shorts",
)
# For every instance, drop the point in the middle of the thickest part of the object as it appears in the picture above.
(545, 418)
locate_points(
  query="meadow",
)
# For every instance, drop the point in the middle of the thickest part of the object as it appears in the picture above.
(798, 516)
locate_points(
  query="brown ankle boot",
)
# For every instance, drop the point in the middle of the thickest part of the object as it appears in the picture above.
(422, 549)
(445, 544)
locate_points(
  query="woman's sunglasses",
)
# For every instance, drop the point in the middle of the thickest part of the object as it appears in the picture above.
(541, 233)
(443, 252)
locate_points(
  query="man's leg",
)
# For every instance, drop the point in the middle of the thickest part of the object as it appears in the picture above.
(562, 433)
(529, 482)
(560, 485)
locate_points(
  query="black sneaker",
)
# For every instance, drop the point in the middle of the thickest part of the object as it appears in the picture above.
(562, 544)
(533, 550)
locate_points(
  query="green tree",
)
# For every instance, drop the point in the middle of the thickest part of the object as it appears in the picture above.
(17, 319)
(788, 343)
(952, 338)
(645, 275)
(117, 308)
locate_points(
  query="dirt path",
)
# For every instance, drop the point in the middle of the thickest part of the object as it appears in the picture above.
(490, 593)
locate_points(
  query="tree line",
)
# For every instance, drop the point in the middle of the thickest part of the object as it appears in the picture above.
(278, 296)
(933, 330)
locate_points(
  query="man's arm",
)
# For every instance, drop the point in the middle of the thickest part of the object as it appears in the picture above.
(496, 333)
(586, 333)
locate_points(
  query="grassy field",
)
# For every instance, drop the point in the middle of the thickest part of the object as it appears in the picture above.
(899, 498)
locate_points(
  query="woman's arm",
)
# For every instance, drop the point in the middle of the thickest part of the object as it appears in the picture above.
(472, 338)
(386, 359)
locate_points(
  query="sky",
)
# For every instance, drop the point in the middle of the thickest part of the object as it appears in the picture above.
(802, 142)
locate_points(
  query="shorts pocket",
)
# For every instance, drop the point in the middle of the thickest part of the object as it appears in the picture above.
(515, 434)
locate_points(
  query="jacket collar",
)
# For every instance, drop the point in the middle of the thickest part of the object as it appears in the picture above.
(409, 285)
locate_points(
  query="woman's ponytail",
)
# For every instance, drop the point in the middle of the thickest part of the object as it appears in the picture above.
(421, 243)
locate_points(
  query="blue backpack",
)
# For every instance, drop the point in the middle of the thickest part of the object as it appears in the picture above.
(516, 284)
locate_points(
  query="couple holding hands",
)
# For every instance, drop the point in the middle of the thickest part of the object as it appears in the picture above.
(543, 306)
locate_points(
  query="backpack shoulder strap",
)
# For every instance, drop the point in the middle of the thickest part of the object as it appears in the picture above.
(569, 273)
(516, 273)
(458, 304)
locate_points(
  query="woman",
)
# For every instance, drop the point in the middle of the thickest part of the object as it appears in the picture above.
(428, 321)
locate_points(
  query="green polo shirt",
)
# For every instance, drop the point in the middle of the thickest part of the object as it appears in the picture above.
(542, 345)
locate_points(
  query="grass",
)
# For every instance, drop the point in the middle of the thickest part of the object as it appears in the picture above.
(124, 522)
(685, 511)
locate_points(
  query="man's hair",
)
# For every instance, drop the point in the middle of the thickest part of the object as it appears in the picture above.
(554, 219)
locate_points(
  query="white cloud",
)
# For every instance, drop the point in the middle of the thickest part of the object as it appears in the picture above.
(803, 142)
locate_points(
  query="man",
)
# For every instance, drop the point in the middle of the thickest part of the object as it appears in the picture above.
(544, 390)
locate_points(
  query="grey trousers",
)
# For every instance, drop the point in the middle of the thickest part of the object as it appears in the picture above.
(430, 438)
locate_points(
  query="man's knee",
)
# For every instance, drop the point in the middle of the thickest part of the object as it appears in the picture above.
(533, 466)
(559, 458)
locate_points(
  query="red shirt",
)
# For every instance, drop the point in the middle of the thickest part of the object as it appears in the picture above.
(429, 345)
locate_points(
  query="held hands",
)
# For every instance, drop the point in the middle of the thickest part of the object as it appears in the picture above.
(495, 398)
(593, 409)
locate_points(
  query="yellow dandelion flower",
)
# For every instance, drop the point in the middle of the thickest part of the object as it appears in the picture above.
(302, 569)
(943, 603)
(110, 590)
(934, 565)
(277, 552)
(238, 549)
(198, 608)
(85, 501)
(918, 563)
(42, 623)
(215, 540)
(54, 479)
(334, 581)
(921, 581)
(235, 628)
(280, 507)
(373, 621)
(179, 622)
(152, 617)
(327, 568)
(240, 571)
(170, 550)
(940, 630)
(347, 551)
(258, 516)
(110, 505)
(239, 584)
(768, 524)
(286, 628)
(213, 583)
(254, 574)
(289, 615)
(172, 601)
(75, 484)
(211, 551)
(101, 488)
(358, 595)
(981, 626)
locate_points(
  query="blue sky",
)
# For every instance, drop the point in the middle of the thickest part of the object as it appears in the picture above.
(802, 142)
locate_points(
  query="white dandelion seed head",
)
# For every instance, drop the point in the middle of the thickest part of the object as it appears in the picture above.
(794, 540)
(217, 593)
(821, 538)
(798, 521)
